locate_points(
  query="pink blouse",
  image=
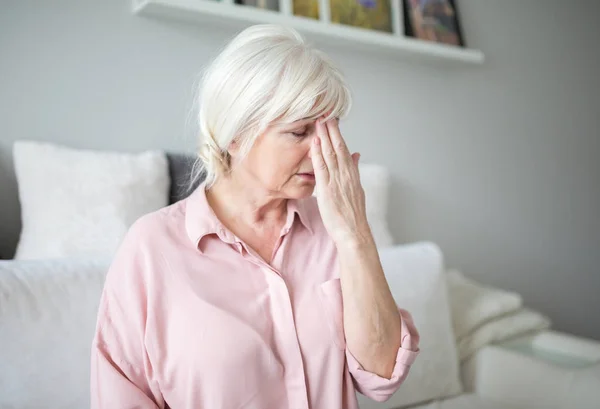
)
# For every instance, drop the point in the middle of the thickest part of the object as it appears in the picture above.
(190, 317)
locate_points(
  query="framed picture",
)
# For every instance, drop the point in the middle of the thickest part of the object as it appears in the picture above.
(260, 4)
(306, 8)
(369, 14)
(433, 20)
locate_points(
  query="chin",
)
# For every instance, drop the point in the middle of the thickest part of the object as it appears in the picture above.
(301, 192)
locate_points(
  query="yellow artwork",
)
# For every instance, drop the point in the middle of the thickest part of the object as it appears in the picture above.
(306, 8)
(371, 14)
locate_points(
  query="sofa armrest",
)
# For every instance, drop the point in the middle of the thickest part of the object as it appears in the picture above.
(546, 370)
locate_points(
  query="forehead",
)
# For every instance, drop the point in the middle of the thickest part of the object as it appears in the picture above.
(321, 106)
(295, 124)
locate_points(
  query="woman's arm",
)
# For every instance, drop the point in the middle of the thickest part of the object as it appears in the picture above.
(371, 317)
(119, 363)
(376, 332)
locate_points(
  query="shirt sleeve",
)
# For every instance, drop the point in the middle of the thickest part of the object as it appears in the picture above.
(121, 372)
(376, 387)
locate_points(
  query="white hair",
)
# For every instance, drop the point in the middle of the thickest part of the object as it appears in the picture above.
(267, 74)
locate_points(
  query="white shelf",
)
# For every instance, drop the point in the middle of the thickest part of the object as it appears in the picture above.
(228, 13)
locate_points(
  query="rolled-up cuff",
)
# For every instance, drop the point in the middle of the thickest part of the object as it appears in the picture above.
(377, 387)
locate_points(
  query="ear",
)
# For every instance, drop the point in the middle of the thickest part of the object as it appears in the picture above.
(233, 148)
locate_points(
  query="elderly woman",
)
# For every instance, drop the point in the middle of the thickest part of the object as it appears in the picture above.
(251, 292)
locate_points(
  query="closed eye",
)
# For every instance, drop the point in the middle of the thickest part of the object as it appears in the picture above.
(301, 130)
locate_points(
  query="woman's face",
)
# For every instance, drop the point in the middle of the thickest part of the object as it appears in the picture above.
(279, 160)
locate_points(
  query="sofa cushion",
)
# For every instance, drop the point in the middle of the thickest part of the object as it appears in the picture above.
(48, 315)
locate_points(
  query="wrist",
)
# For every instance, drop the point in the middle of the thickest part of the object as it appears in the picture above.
(356, 241)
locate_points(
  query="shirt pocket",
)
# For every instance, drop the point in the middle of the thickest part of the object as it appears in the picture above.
(330, 294)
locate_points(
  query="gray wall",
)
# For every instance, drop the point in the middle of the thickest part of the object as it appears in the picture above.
(498, 164)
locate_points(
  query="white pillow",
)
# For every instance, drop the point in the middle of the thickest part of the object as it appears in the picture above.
(81, 203)
(48, 312)
(416, 276)
(474, 304)
(375, 180)
(521, 322)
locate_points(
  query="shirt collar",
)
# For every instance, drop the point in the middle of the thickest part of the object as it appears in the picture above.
(200, 219)
(298, 207)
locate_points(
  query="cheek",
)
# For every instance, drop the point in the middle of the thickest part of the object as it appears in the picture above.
(293, 159)
(278, 169)
(273, 170)
(275, 161)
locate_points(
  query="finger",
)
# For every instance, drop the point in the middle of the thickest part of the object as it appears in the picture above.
(337, 140)
(327, 151)
(355, 158)
(319, 165)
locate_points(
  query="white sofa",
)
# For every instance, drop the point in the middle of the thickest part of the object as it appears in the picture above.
(47, 318)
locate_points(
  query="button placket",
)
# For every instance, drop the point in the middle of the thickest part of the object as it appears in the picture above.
(293, 363)
(287, 334)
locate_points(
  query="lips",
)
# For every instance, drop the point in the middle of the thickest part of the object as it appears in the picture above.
(307, 176)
